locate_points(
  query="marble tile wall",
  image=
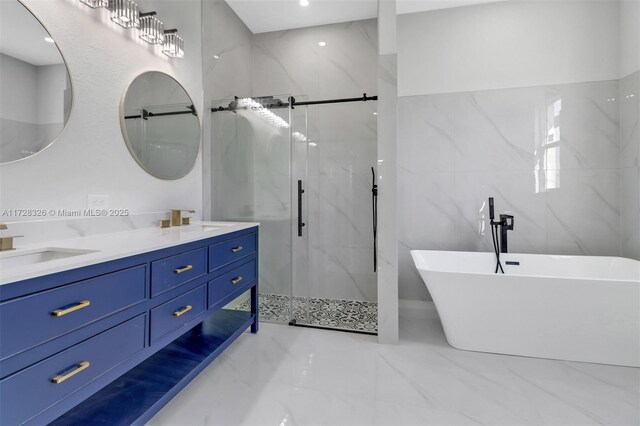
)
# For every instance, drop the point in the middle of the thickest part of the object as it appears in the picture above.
(228, 38)
(629, 96)
(388, 325)
(292, 62)
(223, 35)
(548, 154)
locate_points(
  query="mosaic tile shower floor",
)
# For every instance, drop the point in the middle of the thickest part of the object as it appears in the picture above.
(349, 315)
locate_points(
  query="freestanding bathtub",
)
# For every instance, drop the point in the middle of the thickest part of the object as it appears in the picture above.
(576, 308)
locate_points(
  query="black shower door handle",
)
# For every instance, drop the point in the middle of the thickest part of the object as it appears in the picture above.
(374, 202)
(301, 224)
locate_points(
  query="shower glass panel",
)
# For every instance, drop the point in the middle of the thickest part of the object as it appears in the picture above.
(335, 149)
(251, 173)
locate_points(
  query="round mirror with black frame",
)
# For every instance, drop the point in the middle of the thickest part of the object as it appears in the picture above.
(35, 84)
(160, 125)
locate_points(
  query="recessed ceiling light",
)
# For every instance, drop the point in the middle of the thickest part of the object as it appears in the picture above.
(304, 3)
(322, 44)
(48, 40)
(375, 113)
(216, 57)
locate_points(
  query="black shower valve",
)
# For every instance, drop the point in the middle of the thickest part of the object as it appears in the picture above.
(507, 221)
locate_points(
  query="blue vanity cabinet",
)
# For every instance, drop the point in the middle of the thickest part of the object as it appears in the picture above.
(74, 342)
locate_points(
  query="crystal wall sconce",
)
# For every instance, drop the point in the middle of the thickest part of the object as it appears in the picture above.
(125, 13)
(95, 3)
(173, 45)
(150, 29)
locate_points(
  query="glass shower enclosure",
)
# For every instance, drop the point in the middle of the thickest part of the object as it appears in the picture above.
(306, 174)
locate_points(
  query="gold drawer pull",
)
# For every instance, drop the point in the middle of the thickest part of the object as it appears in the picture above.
(182, 311)
(62, 377)
(236, 280)
(77, 306)
(185, 269)
(237, 249)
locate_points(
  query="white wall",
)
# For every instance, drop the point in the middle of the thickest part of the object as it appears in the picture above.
(90, 156)
(507, 44)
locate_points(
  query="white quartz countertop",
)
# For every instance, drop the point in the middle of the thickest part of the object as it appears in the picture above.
(111, 246)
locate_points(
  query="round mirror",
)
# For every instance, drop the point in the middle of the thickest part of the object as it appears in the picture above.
(160, 125)
(34, 82)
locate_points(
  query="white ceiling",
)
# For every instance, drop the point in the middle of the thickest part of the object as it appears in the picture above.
(274, 15)
(22, 36)
(413, 6)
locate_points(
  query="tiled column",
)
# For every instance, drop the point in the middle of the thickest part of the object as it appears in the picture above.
(387, 174)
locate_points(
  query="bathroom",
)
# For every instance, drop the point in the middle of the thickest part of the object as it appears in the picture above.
(395, 212)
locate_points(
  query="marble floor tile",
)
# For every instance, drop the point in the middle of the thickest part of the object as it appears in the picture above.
(293, 376)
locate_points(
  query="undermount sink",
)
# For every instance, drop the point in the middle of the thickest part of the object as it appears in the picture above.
(208, 227)
(31, 257)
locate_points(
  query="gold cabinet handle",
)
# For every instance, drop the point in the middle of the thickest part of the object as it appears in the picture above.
(182, 311)
(184, 269)
(62, 377)
(65, 311)
(236, 280)
(237, 249)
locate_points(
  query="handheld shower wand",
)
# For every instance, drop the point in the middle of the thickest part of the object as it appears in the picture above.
(491, 211)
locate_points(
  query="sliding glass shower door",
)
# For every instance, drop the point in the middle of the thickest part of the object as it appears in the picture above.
(306, 173)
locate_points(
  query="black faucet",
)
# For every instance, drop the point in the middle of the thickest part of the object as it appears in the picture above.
(505, 224)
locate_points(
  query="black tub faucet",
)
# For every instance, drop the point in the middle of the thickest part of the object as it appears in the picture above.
(499, 228)
(506, 224)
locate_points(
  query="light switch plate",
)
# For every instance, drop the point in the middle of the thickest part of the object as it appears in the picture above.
(97, 202)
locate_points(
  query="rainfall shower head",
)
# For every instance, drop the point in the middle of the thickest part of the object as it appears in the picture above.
(268, 102)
